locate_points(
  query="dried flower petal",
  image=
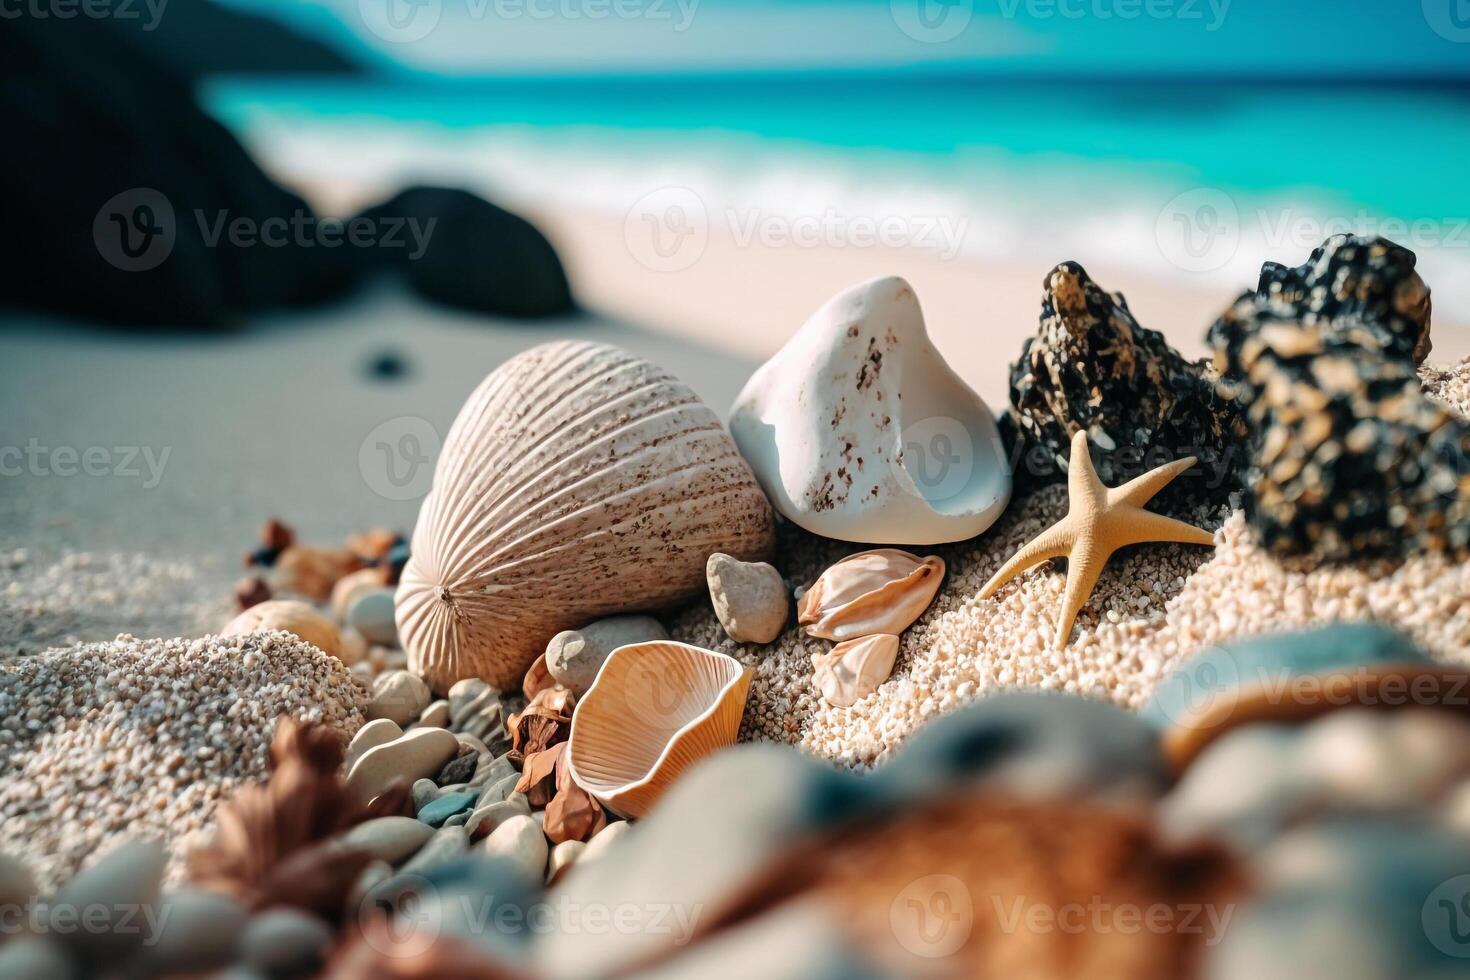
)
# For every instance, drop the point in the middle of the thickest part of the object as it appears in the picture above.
(536, 775)
(546, 721)
(538, 679)
(852, 670)
(302, 804)
(880, 591)
(573, 814)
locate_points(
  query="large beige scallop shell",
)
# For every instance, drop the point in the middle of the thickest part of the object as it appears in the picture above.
(578, 481)
(655, 709)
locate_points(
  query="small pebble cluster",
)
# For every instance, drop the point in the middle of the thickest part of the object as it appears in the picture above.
(144, 737)
(472, 783)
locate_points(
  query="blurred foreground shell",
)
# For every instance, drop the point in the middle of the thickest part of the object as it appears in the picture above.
(291, 616)
(655, 709)
(577, 481)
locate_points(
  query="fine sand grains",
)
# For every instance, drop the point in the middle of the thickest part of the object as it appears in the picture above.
(1154, 606)
(61, 599)
(142, 738)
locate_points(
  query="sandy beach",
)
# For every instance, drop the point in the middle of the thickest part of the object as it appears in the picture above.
(192, 458)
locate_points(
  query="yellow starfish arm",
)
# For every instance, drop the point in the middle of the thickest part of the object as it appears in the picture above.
(1140, 490)
(1054, 542)
(1137, 526)
(1082, 481)
(1084, 567)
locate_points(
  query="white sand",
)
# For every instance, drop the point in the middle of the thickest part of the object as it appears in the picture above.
(142, 738)
(1154, 606)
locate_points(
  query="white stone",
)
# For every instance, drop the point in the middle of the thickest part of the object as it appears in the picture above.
(574, 657)
(435, 715)
(418, 754)
(370, 736)
(857, 429)
(521, 841)
(563, 856)
(390, 839)
(371, 614)
(398, 696)
(749, 597)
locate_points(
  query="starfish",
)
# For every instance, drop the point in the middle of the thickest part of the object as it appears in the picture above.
(1099, 521)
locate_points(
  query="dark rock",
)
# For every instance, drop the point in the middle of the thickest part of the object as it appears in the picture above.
(1365, 289)
(387, 365)
(1092, 366)
(458, 770)
(117, 182)
(1349, 459)
(474, 255)
(199, 37)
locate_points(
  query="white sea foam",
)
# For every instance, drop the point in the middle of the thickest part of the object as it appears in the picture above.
(988, 206)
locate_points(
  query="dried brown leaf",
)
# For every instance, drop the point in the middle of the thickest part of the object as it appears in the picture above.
(537, 774)
(537, 679)
(573, 813)
(303, 803)
(546, 721)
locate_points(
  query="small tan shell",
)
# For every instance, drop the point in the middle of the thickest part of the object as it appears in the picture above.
(578, 481)
(310, 571)
(655, 709)
(852, 670)
(881, 591)
(291, 616)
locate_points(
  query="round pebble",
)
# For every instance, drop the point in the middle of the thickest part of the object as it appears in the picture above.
(521, 841)
(563, 856)
(440, 810)
(370, 736)
(108, 895)
(575, 656)
(371, 614)
(749, 598)
(415, 755)
(399, 697)
(285, 942)
(391, 839)
(435, 715)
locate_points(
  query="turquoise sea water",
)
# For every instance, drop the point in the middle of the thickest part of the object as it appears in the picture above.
(1093, 168)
